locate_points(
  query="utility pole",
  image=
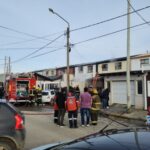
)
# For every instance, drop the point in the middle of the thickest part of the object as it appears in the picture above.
(128, 58)
(9, 68)
(68, 45)
(5, 72)
(5, 66)
(68, 49)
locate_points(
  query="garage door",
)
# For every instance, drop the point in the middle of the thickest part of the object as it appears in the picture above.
(119, 92)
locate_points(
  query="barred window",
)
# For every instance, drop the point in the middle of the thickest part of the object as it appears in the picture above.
(118, 65)
(90, 69)
(80, 69)
(104, 67)
(145, 61)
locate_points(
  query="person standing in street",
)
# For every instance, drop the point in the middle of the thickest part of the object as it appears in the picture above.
(39, 96)
(72, 107)
(2, 91)
(85, 106)
(105, 98)
(77, 92)
(55, 110)
(60, 101)
(95, 107)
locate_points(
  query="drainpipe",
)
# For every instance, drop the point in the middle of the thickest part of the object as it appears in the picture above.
(145, 92)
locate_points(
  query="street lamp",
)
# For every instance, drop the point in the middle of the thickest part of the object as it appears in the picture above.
(68, 44)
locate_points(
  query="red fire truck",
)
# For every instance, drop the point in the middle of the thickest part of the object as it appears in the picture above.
(18, 87)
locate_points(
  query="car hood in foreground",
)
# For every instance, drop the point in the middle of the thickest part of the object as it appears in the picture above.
(127, 139)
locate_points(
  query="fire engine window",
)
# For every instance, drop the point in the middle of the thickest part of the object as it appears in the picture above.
(44, 93)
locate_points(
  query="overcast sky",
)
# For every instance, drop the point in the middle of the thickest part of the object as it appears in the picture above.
(26, 27)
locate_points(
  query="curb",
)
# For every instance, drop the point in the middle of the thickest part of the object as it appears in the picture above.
(121, 116)
(36, 113)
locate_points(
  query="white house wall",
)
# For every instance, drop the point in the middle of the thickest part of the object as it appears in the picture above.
(136, 65)
(139, 99)
(81, 77)
(111, 67)
(64, 80)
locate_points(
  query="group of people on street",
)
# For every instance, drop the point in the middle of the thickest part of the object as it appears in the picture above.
(89, 103)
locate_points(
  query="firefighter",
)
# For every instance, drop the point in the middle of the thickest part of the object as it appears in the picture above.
(72, 108)
(32, 95)
(95, 107)
(39, 95)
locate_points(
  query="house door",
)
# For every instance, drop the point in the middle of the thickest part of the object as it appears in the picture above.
(119, 92)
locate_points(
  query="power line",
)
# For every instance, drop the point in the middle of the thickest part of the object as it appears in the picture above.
(44, 37)
(30, 40)
(22, 48)
(81, 56)
(27, 34)
(101, 36)
(47, 52)
(20, 32)
(38, 49)
(9, 36)
(110, 19)
(111, 33)
(138, 13)
(83, 28)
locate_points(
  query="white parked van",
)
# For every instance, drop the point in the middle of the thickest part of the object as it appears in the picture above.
(48, 96)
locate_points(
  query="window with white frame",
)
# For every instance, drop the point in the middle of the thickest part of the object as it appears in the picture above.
(139, 87)
(104, 67)
(47, 73)
(90, 69)
(118, 65)
(80, 69)
(144, 61)
(52, 72)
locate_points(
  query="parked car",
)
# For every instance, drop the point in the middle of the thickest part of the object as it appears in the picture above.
(48, 96)
(123, 139)
(12, 127)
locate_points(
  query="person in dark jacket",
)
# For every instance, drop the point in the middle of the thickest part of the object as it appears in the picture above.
(77, 92)
(60, 101)
(2, 92)
(105, 98)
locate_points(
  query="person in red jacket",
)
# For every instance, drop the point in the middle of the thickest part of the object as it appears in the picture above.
(55, 111)
(72, 108)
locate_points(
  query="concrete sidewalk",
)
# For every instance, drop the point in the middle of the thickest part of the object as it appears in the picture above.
(120, 110)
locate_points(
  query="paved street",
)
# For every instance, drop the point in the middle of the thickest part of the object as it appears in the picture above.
(41, 130)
